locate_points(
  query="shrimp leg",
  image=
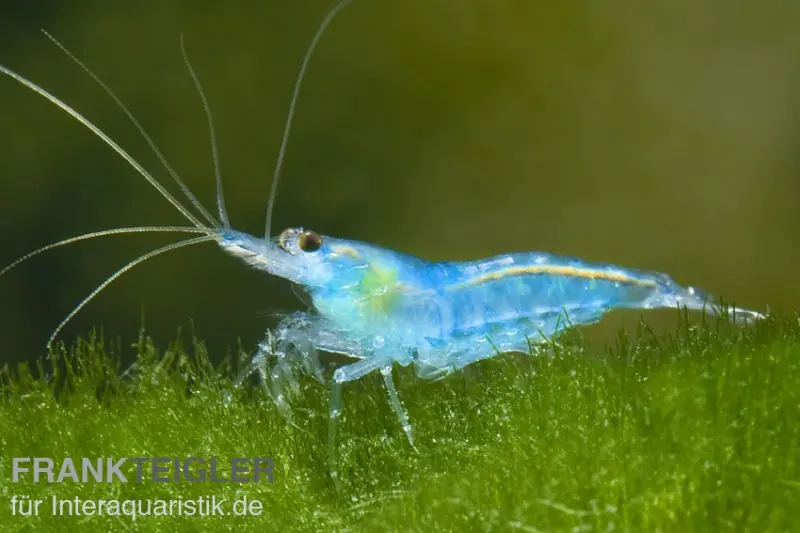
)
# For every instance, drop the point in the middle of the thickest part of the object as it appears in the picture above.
(353, 372)
(297, 339)
(394, 401)
(296, 342)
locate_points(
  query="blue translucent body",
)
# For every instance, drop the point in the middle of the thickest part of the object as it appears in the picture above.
(384, 307)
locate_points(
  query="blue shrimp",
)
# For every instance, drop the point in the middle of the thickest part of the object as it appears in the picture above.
(380, 307)
(383, 307)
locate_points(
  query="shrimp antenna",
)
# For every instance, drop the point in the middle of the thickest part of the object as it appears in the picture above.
(223, 213)
(103, 233)
(106, 139)
(123, 270)
(186, 191)
(282, 152)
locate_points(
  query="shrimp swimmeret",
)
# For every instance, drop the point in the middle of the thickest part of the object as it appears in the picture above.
(382, 307)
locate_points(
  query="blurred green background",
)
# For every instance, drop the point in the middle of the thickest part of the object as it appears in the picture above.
(662, 135)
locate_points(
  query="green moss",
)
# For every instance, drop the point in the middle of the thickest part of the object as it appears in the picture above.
(697, 430)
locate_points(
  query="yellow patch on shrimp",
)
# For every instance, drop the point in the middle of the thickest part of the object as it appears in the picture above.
(380, 288)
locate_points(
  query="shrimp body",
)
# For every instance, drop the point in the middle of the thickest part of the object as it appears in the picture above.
(384, 307)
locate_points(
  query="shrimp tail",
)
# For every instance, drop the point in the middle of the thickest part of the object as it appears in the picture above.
(670, 294)
(694, 298)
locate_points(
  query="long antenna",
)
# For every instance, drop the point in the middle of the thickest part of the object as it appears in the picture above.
(223, 213)
(106, 139)
(186, 191)
(276, 175)
(123, 270)
(103, 233)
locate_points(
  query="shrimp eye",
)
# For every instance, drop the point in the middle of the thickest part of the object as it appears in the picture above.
(309, 241)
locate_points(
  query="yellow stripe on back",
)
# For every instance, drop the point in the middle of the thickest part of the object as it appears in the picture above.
(571, 271)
